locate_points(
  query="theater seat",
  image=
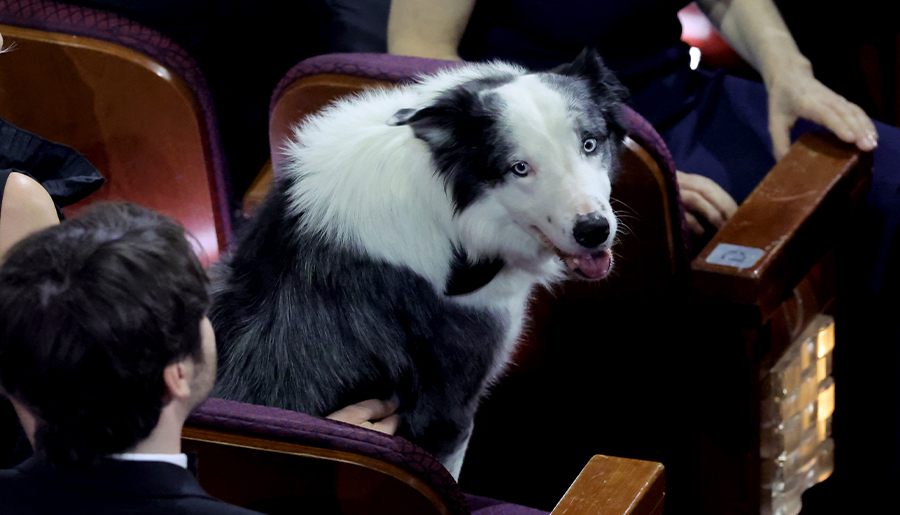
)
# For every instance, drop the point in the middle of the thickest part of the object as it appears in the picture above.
(126, 97)
(278, 461)
(715, 363)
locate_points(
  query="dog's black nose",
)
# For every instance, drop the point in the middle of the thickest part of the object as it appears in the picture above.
(591, 230)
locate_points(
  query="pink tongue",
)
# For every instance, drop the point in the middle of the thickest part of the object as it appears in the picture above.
(593, 266)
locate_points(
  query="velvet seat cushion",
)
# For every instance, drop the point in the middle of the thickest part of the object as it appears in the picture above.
(303, 429)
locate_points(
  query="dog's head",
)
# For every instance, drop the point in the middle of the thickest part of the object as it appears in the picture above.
(528, 159)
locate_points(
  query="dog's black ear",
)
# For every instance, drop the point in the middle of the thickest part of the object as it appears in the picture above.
(606, 88)
(419, 117)
(454, 112)
(402, 117)
(589, 65)
(431, 124)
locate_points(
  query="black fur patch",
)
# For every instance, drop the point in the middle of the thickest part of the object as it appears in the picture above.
(606, 91)
(306, 326)
(466, 277)
(460, 128)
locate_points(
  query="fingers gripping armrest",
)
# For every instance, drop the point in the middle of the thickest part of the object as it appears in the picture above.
(785, 226)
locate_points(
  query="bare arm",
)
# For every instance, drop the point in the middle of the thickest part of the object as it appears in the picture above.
(428, 28)
(756, 30)
(27, 207)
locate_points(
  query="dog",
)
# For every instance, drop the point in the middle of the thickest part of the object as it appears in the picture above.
(395, 255)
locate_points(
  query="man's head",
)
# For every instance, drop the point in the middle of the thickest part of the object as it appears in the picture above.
(101, 324)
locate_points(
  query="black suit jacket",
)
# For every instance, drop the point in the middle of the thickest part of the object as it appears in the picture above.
(134, 487)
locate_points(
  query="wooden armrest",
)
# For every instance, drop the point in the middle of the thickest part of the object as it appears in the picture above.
(785, 226)
(616, 486)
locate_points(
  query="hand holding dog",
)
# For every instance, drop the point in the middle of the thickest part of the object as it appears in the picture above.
(372, 414)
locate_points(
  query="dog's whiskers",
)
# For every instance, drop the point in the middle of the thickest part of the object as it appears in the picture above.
(624, 229)
(624, 205)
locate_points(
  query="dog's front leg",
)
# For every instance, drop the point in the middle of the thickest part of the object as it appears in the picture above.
(442, 432)
(454, 461)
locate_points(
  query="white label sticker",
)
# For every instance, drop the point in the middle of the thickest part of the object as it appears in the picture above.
(734, 255)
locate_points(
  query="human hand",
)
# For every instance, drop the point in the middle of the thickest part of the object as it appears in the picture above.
(798, 94)
(371, 414)
(702, 197)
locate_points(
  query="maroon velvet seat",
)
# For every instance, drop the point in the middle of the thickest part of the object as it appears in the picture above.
(314, 433)
(674, 358)
(129, 99)
(279, 461)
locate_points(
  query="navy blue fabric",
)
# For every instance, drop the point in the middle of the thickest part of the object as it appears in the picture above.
(638, 39)
(538, 33)
(725, 135)
(63, 172)
(357, 26)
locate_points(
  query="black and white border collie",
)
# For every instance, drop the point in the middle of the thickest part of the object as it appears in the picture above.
(395, 255)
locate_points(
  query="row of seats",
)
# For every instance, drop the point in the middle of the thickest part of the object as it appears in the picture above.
(608, 368)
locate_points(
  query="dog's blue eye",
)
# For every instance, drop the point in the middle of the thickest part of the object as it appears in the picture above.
(589, 145)
(521, 168)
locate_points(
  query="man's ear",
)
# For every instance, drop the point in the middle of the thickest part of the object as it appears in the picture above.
(178, 377)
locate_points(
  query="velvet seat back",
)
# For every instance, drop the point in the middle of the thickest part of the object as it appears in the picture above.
(129, 99)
